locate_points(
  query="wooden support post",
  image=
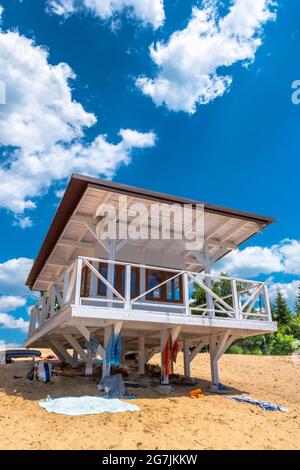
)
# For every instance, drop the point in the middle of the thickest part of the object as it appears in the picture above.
(127, 287)
(58, 348)
(78, 281)
(66, 284)
(164, 335)
(217, 347)
(186, 297)
(89, 365)
(57, 353)
(186, 357)
(94, 278)
(208, 282)
(111, 271)
(267, 302)
(108, 331)
(141, 343)
(76, 346)
(235, 299)
(88, 359)
(75, 358)
(213, 361)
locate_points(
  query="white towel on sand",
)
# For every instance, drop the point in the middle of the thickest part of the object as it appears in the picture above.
(76, 406)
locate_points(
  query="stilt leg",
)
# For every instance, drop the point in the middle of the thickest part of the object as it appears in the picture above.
(213, 359)
(108, 331)
(186, 358)
(89, 365)
(141, 342)
(163, 341)
(75, 358)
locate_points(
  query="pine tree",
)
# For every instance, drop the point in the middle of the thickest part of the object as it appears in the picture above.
(297, 302)
(280, 309)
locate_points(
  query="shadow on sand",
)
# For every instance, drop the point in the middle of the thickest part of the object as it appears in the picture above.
(13, 382)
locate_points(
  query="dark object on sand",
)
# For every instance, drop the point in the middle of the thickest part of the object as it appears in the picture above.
(185, 381)
(30, 375)
(135, 385)
(19, 354)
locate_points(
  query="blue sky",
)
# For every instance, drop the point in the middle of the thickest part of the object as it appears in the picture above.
(240, 149)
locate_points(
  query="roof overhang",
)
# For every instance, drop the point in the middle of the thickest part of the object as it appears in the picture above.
(79, 185)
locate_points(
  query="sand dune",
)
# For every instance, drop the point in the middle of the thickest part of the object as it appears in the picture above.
(172, 422)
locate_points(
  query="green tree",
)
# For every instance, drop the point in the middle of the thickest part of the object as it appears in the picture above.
(280, 310)
(297, 302)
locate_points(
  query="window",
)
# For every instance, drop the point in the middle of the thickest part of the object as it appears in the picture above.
(168, 292)
(119, 280)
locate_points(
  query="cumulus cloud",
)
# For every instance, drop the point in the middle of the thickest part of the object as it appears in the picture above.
(39, 110)
(13, 274)
(5, 345)
(147, 11)
(288, 289)
(253, 261)
(9, 303)
(43, 128)
(189, 62)
(43, 168)
(10, 322)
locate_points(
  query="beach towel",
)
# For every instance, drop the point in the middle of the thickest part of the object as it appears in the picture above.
(86, 405)
(114, 385)
(265, 405)
(113, 350)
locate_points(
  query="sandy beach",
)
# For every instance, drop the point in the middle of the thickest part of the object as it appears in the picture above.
(163, 422)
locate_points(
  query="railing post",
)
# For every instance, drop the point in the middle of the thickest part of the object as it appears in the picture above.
(186, 297)
(267, 303)
(32, 321)
(78, 281)
(52, 301)
(127, 287)
(66, 284)
(235, 299)
(43, 303)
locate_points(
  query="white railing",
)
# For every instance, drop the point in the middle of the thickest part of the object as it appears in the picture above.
(243, 299)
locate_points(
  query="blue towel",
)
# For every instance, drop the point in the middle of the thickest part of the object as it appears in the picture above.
(113, 352)
(265, 405)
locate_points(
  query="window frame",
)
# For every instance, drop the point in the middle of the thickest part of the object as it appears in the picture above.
(163, 298)
(119, 269)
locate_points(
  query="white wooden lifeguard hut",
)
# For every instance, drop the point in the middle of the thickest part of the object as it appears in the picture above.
(140, 289)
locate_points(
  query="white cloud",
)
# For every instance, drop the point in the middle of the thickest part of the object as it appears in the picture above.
(9, 303)
(288, 289)
(39, 110)
(189, 62)
(13, 274)
(5, 345)
(252, 261)
(1, 12)
(147, 11)
(10, 322)
(43, 128)
(31, 173)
